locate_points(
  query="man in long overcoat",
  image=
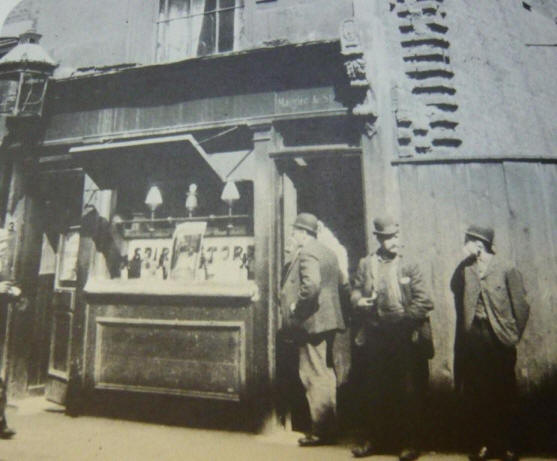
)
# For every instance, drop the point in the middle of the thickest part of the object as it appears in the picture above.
(392, 306)
(492, 312)
(311, 310)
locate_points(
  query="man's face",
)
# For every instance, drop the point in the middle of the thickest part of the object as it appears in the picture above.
(472, 247)
(289, 249)
(390, 243)
(298, 236)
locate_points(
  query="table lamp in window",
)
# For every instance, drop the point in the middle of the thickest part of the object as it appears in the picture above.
(230, 195)
(153, 200)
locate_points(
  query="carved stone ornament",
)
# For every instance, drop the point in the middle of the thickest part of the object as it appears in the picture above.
(362, 100)
(350, 37)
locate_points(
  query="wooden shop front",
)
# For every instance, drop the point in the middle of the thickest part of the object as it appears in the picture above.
(168, 206)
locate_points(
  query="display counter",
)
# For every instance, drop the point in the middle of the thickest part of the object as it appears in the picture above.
(168, 337)
(146, 287)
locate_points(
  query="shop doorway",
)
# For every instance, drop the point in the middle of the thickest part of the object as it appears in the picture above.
(329, 187)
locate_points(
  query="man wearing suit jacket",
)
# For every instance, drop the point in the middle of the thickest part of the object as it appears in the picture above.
(492, 312)
(392, 306)
(310, 307)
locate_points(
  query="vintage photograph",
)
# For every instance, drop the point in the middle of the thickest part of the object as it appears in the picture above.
(278, 230)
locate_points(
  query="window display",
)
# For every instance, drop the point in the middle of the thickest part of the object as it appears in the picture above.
(165, 238)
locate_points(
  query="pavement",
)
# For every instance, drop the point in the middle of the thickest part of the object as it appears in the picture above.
(44, 432)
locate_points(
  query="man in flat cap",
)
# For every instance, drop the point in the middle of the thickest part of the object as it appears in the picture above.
(392, 306)
(492, 312)
(8, 292)
(310, 306)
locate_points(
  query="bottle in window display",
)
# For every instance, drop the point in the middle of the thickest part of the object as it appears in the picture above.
(164, 263)
(134, 268)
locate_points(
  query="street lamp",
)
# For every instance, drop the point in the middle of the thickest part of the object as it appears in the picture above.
(24, 74)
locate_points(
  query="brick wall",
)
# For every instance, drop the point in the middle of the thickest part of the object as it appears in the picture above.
(424, 100)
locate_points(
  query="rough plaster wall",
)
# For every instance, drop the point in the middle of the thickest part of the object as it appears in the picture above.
(506, 90)
(21, 18)
(297, 21)
(381, 44)
(78, 33)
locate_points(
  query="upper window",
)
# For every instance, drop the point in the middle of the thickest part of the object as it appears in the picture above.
(188, 28)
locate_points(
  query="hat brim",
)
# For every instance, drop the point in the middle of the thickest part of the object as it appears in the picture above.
(306, 228)
(389, 232)
(479, 237)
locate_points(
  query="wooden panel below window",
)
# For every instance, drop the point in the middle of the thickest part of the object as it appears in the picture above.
(178, 357)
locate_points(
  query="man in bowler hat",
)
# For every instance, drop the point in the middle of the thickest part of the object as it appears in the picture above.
(492, 312)
(310, 309)
(391, 305)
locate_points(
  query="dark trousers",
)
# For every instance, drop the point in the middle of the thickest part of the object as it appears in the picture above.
(3, 403)
(488, 388)
(393, 381)
(290, 393)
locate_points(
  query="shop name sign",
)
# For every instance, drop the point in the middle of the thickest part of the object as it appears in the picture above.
(227, 259)
(307, 100)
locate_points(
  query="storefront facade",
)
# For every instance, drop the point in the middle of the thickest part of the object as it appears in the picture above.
(266, 109)
(162, 212)
(209, 335)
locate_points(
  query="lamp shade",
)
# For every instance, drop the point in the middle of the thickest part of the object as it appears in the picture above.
(154, 198)
(230, 192)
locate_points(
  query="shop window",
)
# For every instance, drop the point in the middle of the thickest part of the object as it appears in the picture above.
(61, 192)
(177, 229)
(189, 28)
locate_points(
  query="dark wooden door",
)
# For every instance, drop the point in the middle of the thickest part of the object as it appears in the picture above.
(62, 308)
(63, 305)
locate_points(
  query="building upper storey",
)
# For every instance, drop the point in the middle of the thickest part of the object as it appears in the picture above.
(100, 33)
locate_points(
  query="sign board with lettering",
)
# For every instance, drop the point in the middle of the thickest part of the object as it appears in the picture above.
(149, 258)
(227, 259)
(306, 100)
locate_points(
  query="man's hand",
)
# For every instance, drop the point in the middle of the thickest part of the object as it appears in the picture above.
(367, 302)
(5, 287)
(292, 307)
(8, 288)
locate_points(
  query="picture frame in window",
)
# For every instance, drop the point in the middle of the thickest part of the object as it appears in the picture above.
(66, 259)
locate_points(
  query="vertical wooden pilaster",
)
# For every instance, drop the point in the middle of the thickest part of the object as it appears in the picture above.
(89, 264)
(23, 217)
(264, 230)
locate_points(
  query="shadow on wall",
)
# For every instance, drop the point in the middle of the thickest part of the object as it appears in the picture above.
(538, 416)
(535, 426)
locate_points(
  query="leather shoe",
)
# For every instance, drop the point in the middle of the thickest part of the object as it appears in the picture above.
(481, 455)
(313, 441)
(7, 433)
(510, 455)
(409, 454)
(361, 451)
